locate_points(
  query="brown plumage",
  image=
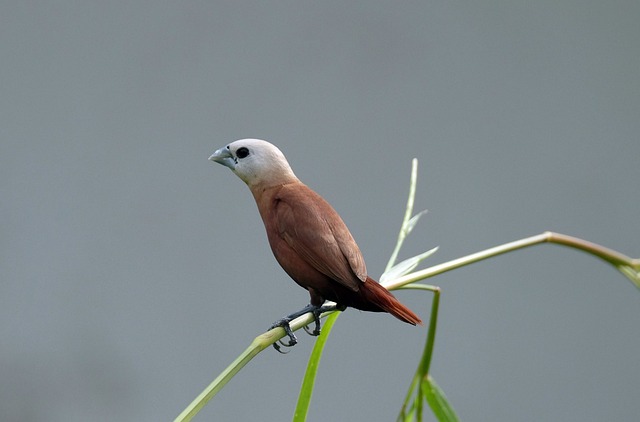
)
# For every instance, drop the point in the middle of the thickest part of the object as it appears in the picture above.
(307, 236)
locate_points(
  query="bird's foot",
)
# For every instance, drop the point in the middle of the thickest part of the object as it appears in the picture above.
(284, 323)
(317, 311)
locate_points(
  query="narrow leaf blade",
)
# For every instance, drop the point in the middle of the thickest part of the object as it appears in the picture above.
(306, 391)
(413, 221)
(438, 401)
(406, 266)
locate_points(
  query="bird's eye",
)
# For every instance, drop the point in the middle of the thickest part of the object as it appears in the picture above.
(242, 152)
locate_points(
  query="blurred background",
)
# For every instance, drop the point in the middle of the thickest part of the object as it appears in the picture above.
(133, 270)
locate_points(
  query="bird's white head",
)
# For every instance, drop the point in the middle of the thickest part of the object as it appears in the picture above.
(256, 162)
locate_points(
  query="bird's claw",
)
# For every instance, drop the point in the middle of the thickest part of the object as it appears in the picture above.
(314, 333)
(316, 318)
(284, 323)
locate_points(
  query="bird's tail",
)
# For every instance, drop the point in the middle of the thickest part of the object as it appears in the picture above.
(374, 292)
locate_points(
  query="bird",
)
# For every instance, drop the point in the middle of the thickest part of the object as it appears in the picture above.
(307, 236)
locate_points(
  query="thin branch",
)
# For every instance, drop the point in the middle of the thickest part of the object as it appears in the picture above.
(628, 266)
(257, 345)
(407, 214)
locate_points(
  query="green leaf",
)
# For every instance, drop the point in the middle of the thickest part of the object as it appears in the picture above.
(406, 266)
(438, 401)
(306, 391)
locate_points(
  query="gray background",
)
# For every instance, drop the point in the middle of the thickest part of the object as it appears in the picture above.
(133, 270)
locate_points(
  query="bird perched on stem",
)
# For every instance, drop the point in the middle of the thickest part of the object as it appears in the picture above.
(307, 236)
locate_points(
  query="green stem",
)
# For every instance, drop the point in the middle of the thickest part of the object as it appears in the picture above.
(629, 267)
(257, 345)
(425, 360)
(407, 214)
(217, 384)
(423, 369)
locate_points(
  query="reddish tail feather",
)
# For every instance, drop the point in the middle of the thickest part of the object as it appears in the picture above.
(374, 292)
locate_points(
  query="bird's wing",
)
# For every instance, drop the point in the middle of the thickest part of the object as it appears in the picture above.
(314, 230)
